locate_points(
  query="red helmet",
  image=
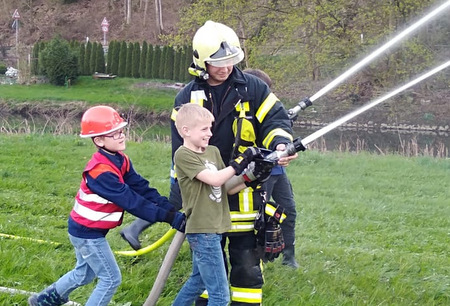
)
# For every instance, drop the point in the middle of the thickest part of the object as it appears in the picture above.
(100, 120)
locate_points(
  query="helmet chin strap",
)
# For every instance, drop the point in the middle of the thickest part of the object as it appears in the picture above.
(107, 151)
(102, 147)
(200, 73)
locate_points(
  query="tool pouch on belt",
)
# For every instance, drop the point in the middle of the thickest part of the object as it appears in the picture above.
(269, 236)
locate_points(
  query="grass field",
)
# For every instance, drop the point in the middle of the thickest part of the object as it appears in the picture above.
(371, 230)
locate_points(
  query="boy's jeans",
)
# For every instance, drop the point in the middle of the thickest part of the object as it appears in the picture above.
(94, 259)
(208, 272)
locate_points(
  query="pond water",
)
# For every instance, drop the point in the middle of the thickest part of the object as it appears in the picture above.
(408, 143)
(344, 139)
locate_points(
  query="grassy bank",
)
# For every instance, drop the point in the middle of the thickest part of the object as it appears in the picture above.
(371, 229)
(126, 92)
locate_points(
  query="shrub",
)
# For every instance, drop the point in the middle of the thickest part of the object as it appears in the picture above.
(59, 61)
(2, 68)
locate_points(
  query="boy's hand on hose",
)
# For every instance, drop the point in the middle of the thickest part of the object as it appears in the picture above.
(242, 161)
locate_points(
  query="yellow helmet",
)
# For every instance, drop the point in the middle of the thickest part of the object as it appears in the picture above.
(217, 45)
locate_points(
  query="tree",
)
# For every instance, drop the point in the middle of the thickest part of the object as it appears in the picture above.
(297, 41)
(122, 60)
(135, 59)
(129, 60)
(34, 59)
(158, 11)
(162, 62)
(115, 56)
(100, 59)
(81, 52)
(42, 46)
(109, 57)
(144, 19)
(87, 58)
(149, 61)
(187, 61)
(156, 62)
(143, 60)
(177, 64)
(92, 59)
(59, 62)
(128, 11)
(168, 63)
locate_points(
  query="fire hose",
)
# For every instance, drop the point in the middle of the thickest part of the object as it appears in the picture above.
(164, 271)
(301, 144)
(306, 102)
(297, 145)
(151, 247)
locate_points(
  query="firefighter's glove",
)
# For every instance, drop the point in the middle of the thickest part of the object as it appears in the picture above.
(242, 161)
(258, 172)
(179, 222)
(269, 235)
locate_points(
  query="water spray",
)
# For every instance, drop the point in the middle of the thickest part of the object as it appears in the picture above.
(308, 101)
(301, 144)
(297, 145)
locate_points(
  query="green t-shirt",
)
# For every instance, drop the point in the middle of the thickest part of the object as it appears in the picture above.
(206, 207)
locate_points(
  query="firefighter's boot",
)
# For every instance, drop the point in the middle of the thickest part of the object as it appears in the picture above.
(289, 257)
(131, 233)
(48, 296)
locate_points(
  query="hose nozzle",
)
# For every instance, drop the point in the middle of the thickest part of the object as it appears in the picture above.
(292, 113)
(291, 149)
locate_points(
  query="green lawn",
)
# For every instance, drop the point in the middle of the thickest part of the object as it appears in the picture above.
(150, 94)
(371, 230)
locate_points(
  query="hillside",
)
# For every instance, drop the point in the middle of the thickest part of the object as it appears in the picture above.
(43, 19)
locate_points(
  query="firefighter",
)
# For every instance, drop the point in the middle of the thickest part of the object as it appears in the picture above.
(247, 114)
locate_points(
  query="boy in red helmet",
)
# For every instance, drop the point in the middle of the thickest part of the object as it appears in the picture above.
(110, 186)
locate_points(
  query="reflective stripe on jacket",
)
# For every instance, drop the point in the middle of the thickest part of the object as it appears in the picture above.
(90, 209)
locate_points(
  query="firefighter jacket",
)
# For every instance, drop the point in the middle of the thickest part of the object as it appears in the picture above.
(246, 114)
